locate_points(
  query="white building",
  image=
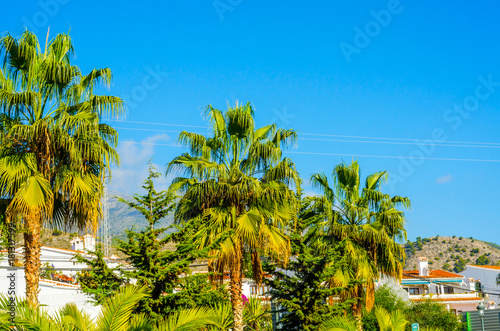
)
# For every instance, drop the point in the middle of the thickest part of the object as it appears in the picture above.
(87, 243)
(54, 293)
(487, 276)
(450, 289)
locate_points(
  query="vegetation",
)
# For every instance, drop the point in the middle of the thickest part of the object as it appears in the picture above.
(161, 270)
(301, 291)
(482, 260)
(237, 204)
(54, 150)
(100, 281)
(433, 315)
(238, 185)
(369, 224)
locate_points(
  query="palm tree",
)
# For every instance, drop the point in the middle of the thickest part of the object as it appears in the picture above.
(237, 191)
(370, 224)
(54, 149)
(116, 315)
(257, 317)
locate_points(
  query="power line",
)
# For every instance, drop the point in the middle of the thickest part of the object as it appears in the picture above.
(328, 135)
(164, 124)
(336, 140)
(338, 154)
(395, 157)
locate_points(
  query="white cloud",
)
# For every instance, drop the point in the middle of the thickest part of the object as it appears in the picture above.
(444, 179)
(133, 169)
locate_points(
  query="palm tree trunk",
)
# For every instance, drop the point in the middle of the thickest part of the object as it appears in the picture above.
(358, 308)
(235, 288)
(32, 257)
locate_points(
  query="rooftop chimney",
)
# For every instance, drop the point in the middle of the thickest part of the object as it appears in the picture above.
(423, 266)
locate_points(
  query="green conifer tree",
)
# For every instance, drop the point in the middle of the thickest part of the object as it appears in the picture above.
(163, 271)
(100, 281)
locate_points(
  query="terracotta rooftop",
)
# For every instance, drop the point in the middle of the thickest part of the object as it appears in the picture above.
(432, 274)
(494, 267)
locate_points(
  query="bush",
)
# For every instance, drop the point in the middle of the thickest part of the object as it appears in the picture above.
(56, 232)
(386, 298)
(432, 315)
(459, 265)
(446, 266)
(460, 238)
(454, 236)
(482, 260)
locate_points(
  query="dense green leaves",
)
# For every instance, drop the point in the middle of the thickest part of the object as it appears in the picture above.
(164, 271)
(237, 184)
(100, 281)
(54, 151)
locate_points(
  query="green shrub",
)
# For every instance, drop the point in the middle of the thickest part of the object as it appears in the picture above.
(482, 260)
(430, 314)
(386, 298)
(56, 232)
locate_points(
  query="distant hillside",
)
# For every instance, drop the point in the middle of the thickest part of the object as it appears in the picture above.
(122, 217)
(451, 253)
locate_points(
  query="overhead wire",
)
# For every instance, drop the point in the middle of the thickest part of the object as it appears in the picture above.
(322, 134)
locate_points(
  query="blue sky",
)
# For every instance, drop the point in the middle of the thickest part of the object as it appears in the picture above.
(414, 70)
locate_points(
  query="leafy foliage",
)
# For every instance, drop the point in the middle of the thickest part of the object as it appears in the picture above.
(54, 151)
(237, 185)
(116, 315)
(303, 292)
(100, 281)
(433, 315)
(482, 260)
(370, 224)
(158, 269)
(387, 299)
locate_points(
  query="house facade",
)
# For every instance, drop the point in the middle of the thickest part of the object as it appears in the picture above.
(451, 289)
(57, 290)
(487, 276)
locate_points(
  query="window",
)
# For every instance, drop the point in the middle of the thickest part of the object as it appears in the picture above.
(414, 291)
(448, 290)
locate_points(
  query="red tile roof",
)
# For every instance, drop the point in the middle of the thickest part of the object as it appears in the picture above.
(432, 274)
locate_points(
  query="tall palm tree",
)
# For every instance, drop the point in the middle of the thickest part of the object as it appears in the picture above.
(370, 224)
(54, 149)
(237, 190)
